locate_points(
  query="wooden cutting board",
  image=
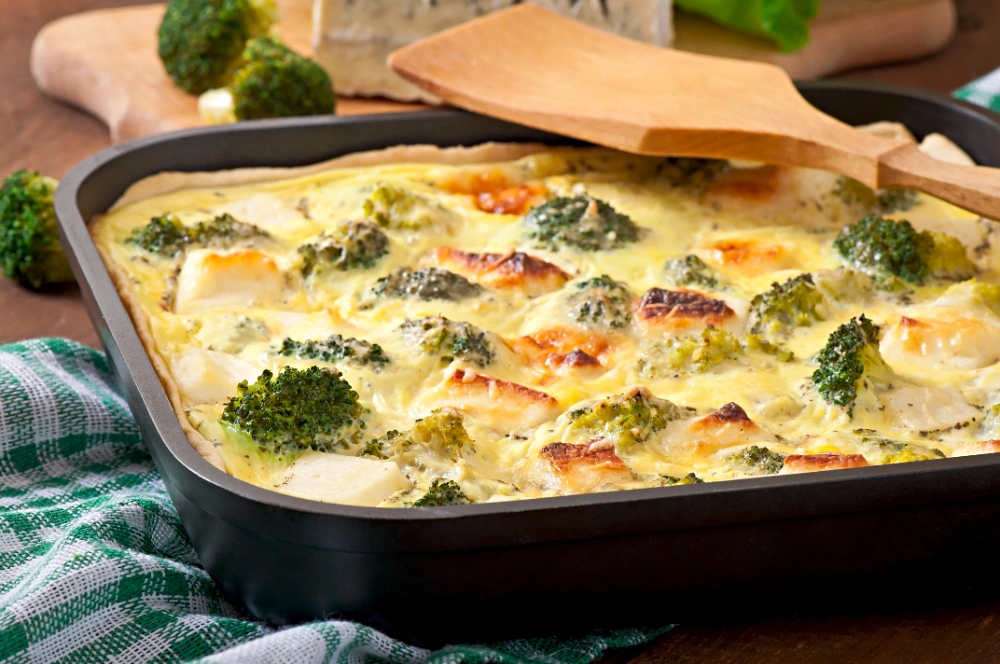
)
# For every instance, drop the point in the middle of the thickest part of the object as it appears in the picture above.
(105, 61)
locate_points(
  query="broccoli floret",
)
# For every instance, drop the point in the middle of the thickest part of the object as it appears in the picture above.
(626, 419)
(449, 339)
(354, 245)
(442, 433)
(694, 352)
(691, 271)
(29, 239)
(691, 173)
(759, 460)
(582, 222)
(299, 410)
(443, 493)
(850, 360)
(336, 348)
(201, 42)
(755, 342)
(273, 82)
(690, 478)
(844, 284)
(795, 303)
(601, 302)
(886, 248)
(398, 209)
(428, 283)
(166, 236)
(899, 452)
(883, 201)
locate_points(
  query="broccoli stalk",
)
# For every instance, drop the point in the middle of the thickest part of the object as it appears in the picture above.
(29, 240)
(886, 249)
(201, 42)
(299, 410)
(275, 82)
(849, 363)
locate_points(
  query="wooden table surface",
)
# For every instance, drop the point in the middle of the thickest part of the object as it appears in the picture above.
(38, 133)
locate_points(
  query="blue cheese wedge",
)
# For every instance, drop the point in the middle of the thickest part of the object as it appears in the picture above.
(525, 321)
(353, 38)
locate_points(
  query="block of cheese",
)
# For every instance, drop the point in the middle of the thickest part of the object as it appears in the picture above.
(353, 38)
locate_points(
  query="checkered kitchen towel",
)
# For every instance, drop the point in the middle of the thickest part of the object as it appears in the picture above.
(94, 563)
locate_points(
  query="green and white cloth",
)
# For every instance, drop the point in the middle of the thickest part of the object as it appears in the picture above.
(983, 91)
(95, 565)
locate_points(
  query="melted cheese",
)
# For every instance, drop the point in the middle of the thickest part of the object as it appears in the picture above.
(219, 316)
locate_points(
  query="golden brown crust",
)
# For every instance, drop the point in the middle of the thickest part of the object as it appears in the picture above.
(165, 183)
(808, 463)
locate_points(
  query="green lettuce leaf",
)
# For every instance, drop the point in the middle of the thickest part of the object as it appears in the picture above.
(785, 22)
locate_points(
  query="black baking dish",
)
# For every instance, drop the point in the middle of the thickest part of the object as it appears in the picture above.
(545, 565)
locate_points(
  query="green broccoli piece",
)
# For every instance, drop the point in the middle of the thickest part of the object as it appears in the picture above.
(690, 478)
(274, 82)
(335, 349)
(759, 460)
(449, 339)
(884, 201)
(627, 419)
(299, 410)
(398, 209)
(886, 248)
(442, 433)
(691, 173)
(443, 493)
(29, 240)
(851, 359)
(694, 352)
(581, 222)
(201, 42)
(755, 342)
(428, 283)
(166, 236)
(898, 452)
(844, 284)
(795, 303)
(691, 271)
(601, 302)
(354, 245)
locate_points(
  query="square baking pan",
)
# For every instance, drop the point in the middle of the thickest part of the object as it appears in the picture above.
(546, 565)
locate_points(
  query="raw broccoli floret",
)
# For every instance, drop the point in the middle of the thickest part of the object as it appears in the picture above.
(581, 222)
(795, 303)
(354, 245)
(29, 240)
(299, 410)
(887, 248)
(442, 433)
(883, 201)
(166, 236)
(759, 460)
(273, 82)
(690, 478)
(601, 302)
(428, 283)
(691, 271)
(849, 362)
(449, 339)
(694, 352)
(201, 42)
(335, 349)
(626, 419)
(443, 493)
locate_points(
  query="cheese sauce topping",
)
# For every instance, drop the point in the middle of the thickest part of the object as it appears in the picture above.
(578, 320)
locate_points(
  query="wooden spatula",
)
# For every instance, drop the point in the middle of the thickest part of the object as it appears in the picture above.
(534, 67)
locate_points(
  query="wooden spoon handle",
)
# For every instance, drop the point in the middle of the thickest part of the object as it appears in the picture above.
(975, 188)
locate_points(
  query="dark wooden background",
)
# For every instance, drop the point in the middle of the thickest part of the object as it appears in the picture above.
(38, 133)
